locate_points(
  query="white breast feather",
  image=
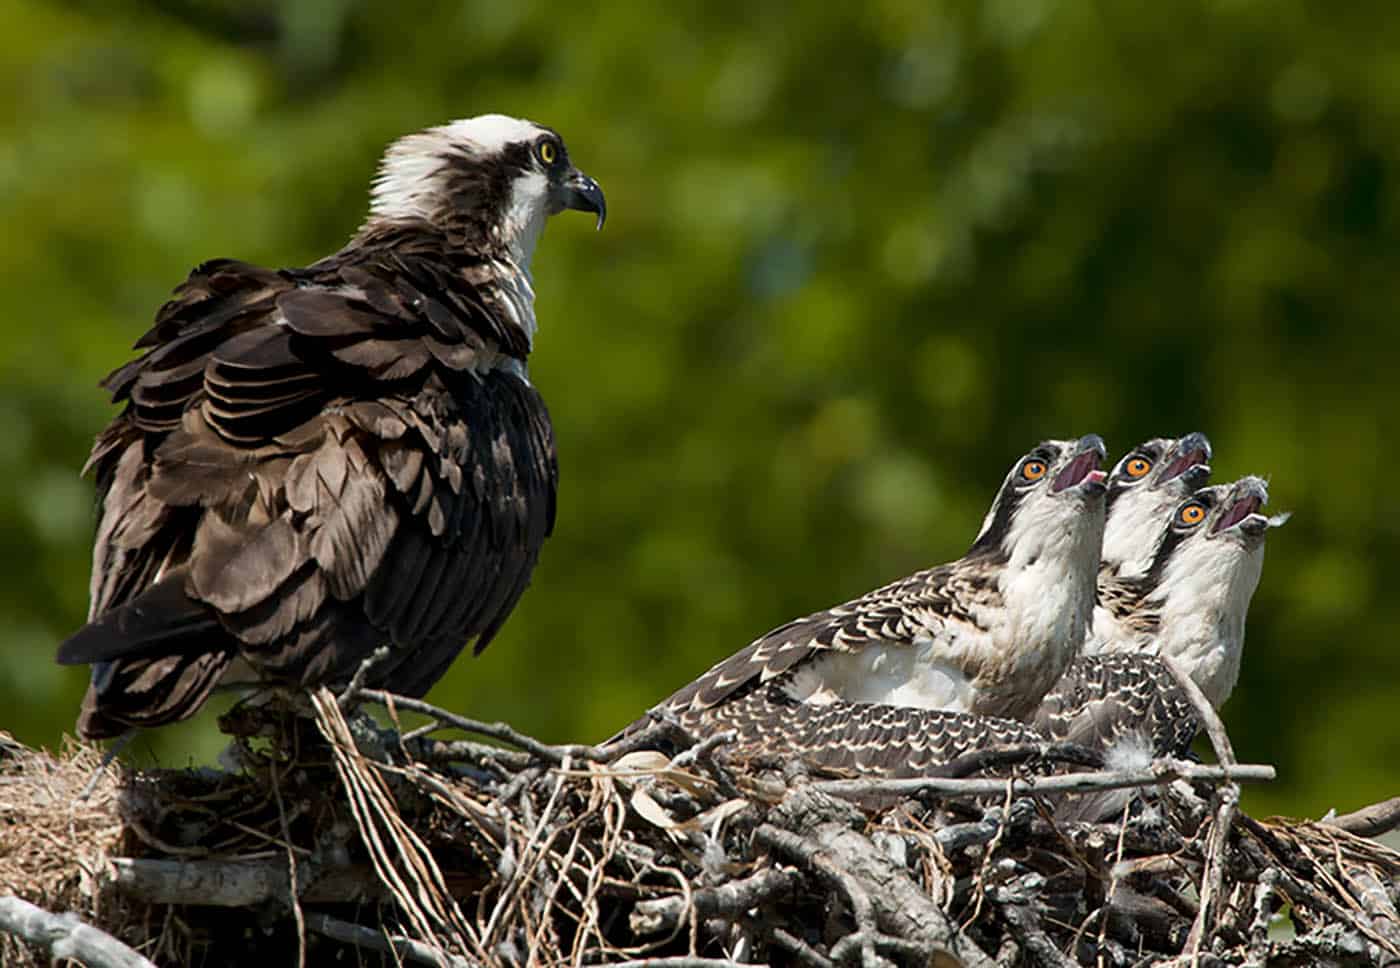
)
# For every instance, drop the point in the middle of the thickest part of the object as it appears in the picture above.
(893, 673)
(1202, 601)
(1131, 535)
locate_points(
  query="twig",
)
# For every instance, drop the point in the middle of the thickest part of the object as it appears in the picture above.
(1114, 875)
(800, 949)
(815, 858)
(66, 936)
(1226, 799)
(726, 901)
(685, 962)
(980, 881)
(1033, 939)
(402, 860)
(1375, 901)
(701, 750)
(902, 908)
(357, 681)
(501, 731)
(1257, 955)
(982, 760)
(449, 751)
(1372, 821)
(1160, 772)
(1213, 876)
(363, 937)
(292, 886)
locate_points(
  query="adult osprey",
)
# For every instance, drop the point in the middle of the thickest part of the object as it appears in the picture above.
(315, 462)
(986, 634)
(1190, 606)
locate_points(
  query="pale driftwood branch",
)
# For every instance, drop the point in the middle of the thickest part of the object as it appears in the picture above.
(727, 902)
(363, 937)
(1372, 821)
(66, 936)
(1158, 773)
(236, 883)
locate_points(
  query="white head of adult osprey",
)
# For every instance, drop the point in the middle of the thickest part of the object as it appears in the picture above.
(516, 173)
(492, 179)
(1143, 489)
(1192, 603)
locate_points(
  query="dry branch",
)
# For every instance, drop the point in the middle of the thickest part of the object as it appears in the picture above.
(1160, 772)
(1371, 821)
(66, 936)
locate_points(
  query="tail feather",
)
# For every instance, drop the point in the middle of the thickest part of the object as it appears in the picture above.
(148, 691)
(161, 620)
(155, 659)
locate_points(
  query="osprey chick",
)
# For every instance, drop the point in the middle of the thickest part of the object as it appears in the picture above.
(1190, 606)
(314, 462)
(987, 634)
(1143, 488)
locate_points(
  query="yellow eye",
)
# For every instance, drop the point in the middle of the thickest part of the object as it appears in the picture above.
(548, 152)
(1192, 513)
(1138, 466)
(1033, 470)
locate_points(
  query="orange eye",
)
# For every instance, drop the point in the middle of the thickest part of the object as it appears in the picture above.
(1033, 470)
(1138, 466)
(1192, 513)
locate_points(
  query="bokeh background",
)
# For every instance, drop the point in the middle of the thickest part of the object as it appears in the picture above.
(858, 258)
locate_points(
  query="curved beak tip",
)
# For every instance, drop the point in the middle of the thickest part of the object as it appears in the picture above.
(583, 194)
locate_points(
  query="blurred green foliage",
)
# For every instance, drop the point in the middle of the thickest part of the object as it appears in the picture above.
(859, 257)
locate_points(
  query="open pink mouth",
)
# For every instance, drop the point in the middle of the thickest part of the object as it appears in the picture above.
(1237, 512)
(1085, 467)
(1185, 462)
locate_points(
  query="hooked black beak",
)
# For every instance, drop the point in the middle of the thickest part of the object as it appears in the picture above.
(582, 194)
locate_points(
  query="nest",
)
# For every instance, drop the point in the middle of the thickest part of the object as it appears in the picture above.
(341, 839)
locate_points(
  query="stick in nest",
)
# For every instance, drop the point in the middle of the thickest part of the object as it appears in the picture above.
(405, 865)
(66, 936)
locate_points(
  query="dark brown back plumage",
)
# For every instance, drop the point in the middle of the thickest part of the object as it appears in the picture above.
(312, 463)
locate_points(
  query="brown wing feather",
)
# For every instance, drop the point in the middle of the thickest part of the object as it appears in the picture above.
(1104, 700)
(325, 460)
(865, 739)
(894, 613)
